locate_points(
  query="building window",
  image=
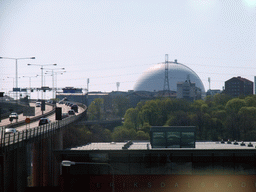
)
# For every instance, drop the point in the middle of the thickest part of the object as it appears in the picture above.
(159, 139)
(173, 139)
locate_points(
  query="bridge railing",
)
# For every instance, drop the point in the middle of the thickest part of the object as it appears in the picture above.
(41, 131)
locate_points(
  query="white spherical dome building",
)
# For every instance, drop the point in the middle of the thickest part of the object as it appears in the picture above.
(153, 79)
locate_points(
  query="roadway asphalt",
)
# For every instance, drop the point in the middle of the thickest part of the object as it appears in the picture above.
(38, 112)
(65, 109)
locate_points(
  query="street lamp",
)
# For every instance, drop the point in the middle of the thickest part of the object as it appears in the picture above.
(16, 63)
(52, 83)
(52, 72)
(13, 80)
(30, 83)
(57, 81)
(42, 73)
(45, 75)
(67, 163)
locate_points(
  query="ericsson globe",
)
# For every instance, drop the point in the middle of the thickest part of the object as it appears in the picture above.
(153, 79)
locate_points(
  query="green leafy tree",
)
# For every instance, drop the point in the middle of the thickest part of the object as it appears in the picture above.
(250, 101)
(217, 117)
(221, 116)
(75, 136)
(131, 118)
(144, 116)
(100, 134)
(153, 112)
(215, 130)
(141, 135)
(221, 99)
(149, 112)
(179, 118)
(122, 134)
(197, 116)
(232, 107)
(146, 128)
(120, 104)
(95, 109)
(247, 122)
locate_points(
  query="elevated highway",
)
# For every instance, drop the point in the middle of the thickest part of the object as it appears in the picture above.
(27, 158)
(51, 117)
(38, 112)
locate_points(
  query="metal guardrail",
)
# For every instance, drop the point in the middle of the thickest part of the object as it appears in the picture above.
(8, 140)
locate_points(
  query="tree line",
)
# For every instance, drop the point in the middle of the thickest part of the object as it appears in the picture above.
(216, 117)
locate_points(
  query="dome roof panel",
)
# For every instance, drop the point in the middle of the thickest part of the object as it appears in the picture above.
(153, 78)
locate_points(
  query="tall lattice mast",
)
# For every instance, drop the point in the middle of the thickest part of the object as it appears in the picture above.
(166, 78)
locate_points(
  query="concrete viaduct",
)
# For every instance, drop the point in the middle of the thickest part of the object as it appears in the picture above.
(27, 158)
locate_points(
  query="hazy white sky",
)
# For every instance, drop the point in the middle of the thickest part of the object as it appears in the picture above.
(111, 41)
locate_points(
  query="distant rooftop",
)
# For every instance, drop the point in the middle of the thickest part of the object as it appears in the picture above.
(240, 78)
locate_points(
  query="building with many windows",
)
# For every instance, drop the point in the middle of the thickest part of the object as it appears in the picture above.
(188, 90)
(238, 86)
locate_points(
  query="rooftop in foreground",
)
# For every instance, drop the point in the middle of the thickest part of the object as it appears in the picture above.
(145, 145)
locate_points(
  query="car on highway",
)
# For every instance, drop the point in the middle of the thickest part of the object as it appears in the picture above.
(65, 115)
(10, 130)
(69, 104)
(14, 115)
(44, 121)
(71, 112)
(75, 108)
(38, 104)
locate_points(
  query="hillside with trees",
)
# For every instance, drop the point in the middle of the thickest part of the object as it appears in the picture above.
(217, 117)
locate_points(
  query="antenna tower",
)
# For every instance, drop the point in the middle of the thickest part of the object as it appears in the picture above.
(117, 85)
(88, 81)
(166, 78)
(209, 80)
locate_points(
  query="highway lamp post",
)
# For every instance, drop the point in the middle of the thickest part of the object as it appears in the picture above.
(16, 66)
(1, 95)
(45, 75)
(52, 84)
(52, 71)
(42, 73)
(57, 81)
(13, 86)
(55, 75)
(12, 81)
(67, 163)
(30, 84)
(2, 128)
